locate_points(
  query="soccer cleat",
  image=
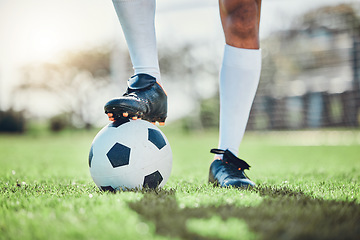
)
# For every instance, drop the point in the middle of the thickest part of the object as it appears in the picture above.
(144, 99)
(229, 171)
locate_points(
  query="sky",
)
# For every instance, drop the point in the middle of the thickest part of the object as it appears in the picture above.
(39, 30)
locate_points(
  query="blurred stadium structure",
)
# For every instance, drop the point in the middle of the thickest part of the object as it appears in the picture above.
(311, 73)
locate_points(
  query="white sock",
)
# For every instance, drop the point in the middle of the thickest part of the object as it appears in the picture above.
(137, 18)
(239, 78)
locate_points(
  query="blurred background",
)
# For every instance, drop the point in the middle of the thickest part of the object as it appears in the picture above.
(60, 61)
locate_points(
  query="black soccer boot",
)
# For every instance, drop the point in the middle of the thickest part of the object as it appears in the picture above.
(144, 99)
(229, 171)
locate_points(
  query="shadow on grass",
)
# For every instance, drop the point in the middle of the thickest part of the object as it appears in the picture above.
(284, 214)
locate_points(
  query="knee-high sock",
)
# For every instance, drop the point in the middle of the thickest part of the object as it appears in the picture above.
(239, 79)
(137, 18)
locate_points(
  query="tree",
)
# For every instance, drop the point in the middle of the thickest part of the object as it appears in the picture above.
(75, 82)
(192, 69)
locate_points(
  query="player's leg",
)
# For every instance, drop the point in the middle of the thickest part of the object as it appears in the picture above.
(240, 71)
(144, 98)
(239, 78)
(137, 21)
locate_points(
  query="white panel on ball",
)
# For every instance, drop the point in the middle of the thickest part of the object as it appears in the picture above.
(130, 154)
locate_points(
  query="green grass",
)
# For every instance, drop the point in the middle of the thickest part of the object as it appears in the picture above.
(308, 188)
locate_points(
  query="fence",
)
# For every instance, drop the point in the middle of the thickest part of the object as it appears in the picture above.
(311, 73)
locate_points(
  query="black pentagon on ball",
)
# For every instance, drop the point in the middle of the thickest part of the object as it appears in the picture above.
(119, 155)
(152, 180)
(90, 155)
(156, 138)
(107, 189)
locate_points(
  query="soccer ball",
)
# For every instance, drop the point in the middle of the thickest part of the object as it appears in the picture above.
(130, 154)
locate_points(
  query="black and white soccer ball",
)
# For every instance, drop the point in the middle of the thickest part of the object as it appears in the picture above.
(130, 154)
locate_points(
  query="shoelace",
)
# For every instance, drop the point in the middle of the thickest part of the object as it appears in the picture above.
(134, 92)
(233, 163)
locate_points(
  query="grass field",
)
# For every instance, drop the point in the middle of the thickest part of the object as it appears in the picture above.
(307, 188)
